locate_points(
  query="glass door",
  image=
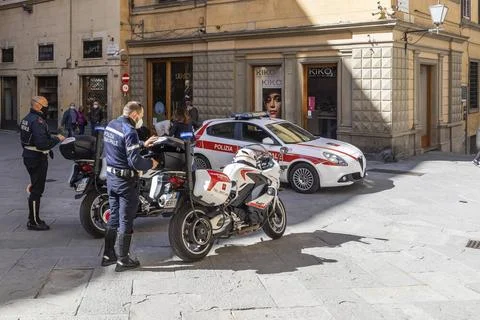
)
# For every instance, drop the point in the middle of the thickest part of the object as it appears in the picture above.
(320, 99)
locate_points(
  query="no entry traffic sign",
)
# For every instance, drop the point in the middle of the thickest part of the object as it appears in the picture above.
(125, 78)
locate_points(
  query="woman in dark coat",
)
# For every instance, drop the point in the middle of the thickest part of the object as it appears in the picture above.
(181, 122)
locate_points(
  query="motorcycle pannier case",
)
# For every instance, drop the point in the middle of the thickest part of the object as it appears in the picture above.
(211, 187)
(78, 148)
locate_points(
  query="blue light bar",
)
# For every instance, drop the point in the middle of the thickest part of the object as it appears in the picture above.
(250, 115)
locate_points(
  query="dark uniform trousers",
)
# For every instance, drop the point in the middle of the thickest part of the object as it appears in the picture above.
(123, 200)
(37, 169)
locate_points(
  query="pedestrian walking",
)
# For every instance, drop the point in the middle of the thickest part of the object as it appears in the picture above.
(122, 150)
(95, 116)
(37, 143)
(81, 120)
(69, 119)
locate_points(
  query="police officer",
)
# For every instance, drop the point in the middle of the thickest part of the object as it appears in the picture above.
(37, 143)
(122, 150)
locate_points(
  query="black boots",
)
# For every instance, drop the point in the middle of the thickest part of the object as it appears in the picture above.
(34, 221)
(109, 256)
(124, 262)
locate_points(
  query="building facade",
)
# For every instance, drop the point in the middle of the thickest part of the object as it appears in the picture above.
(65, 50)
(345, 70)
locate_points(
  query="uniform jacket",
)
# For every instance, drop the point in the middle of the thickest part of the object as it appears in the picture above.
(178, 127)
(34, 133)
(122, 146)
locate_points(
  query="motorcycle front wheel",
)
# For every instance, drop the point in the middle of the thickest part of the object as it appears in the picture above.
(190, 233)
(94, 213)
(276, 222)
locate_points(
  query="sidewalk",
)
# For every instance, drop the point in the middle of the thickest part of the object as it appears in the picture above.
(392, 247)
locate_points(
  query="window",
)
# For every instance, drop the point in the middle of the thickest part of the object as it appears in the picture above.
(222, 130)
(92, 49)
(45, 52)
(473, 81)
(290, 133)
(466, 9)
(7, 55)
(253, 133)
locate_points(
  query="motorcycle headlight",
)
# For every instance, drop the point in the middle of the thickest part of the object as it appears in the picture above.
(335, 159)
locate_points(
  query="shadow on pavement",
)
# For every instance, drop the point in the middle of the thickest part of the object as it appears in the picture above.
(286, 254)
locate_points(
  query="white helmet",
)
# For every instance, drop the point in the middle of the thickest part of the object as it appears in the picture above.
(246, 156)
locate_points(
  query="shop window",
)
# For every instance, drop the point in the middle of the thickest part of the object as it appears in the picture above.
(92, 49)
(7, 55)
(268, 90)
(473, 82)
(45, 52)
(466, 9)
(170, 86)
(222, 130)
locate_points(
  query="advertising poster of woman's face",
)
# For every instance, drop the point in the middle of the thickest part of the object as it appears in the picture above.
(272, 102)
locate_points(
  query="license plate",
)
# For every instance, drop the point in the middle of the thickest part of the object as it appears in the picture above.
(80, 186)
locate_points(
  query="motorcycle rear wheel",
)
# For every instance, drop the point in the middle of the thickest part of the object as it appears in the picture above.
(190, 233)
(276, 223)
(94, 213)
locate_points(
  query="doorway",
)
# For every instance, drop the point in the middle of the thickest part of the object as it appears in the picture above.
(320, 99)
(94, 88)
(9, 111)
(48, 87)
(425, 105)
(170, 83)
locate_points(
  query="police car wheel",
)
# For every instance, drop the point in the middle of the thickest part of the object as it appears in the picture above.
(201, 162)
(94, 210)
(304, 178)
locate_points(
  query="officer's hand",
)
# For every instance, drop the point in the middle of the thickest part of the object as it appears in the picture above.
(150, 141)
(60, 137)
(155, 163)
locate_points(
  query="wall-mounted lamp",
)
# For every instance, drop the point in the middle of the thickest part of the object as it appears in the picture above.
(438, 12)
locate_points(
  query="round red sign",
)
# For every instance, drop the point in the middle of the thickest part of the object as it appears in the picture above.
(125, 88)
(125, 78)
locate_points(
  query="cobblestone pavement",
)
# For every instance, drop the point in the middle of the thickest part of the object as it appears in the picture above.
(392, 247)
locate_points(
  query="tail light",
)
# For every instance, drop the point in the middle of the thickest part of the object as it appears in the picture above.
(88, 168)
(176, 182)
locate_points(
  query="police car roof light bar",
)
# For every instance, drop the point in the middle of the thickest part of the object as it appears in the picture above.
(249, 115)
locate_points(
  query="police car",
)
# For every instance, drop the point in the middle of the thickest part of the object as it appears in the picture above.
(307, 162)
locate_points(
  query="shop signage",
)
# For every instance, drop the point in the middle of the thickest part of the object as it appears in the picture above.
(322, 72)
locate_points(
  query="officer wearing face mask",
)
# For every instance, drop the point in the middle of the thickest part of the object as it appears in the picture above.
(122, 150)
(37, 143)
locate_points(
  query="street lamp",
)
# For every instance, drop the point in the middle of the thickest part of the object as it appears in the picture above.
(438, 12)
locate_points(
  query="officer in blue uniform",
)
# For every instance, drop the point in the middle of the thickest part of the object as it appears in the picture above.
(37, 143)
(122, 150)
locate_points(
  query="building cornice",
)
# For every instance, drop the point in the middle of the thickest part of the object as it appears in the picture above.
(20, 4)
(276, 32)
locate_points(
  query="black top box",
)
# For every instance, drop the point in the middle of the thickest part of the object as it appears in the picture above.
(78, 148)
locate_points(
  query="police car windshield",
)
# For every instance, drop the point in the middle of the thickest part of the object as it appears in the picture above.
(290, 133)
